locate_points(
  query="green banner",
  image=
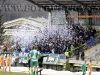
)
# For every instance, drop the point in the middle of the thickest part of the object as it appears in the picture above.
(51, 59)
(6, 52)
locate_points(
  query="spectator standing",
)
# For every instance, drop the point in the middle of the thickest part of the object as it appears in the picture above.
(53, 51)
(82, 55)
(67, 54)
(94, 31)
(72, 48)
(5, 48)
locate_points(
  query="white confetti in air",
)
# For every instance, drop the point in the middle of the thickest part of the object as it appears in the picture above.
(26, 36)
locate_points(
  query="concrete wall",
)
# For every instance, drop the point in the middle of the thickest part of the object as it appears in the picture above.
(13, 9)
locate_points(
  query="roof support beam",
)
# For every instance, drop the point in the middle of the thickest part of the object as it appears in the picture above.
(57, 3)
(80, 3)
(98, 0)
(31, 1)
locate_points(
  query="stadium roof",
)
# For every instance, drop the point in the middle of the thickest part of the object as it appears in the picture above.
(49, 5)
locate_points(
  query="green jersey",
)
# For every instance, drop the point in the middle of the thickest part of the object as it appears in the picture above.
(84, 67)
(34, 54)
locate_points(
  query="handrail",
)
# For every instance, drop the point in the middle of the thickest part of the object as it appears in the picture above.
(84, 45)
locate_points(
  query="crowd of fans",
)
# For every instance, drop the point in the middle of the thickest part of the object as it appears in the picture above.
(57, 44)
